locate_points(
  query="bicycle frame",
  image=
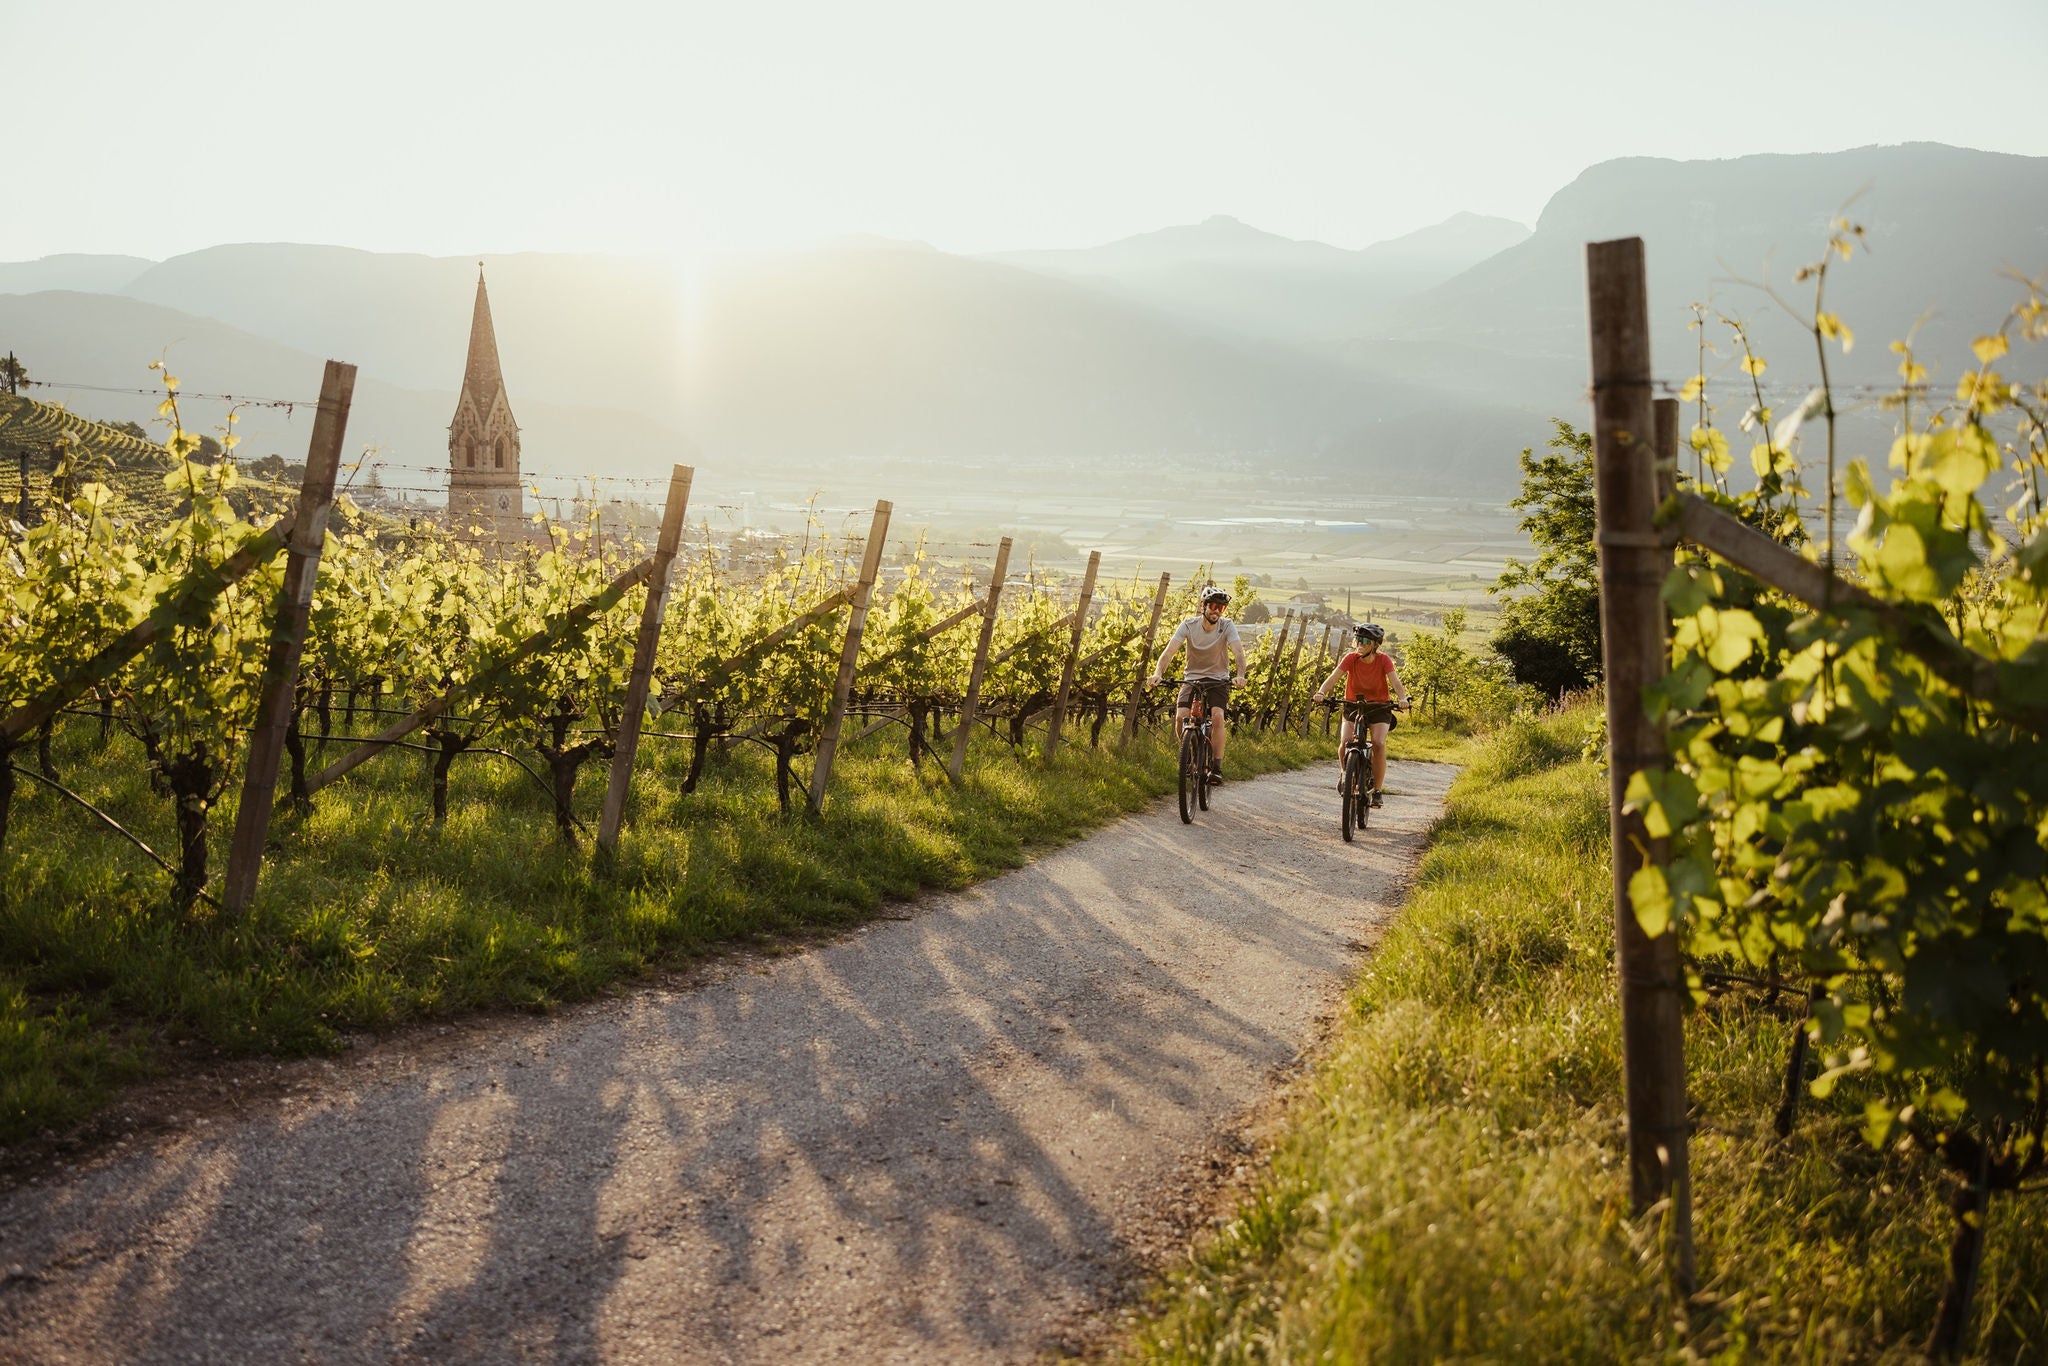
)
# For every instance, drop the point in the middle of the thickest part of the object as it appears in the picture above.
(1192, 738)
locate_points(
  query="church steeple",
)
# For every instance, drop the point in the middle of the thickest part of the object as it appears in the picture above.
(484, 496)
(482, 380)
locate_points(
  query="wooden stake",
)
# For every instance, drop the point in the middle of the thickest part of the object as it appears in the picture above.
(288, 638)
(849, 658)
(1293, 672)
(1667, 469)
(1059, 706)
(627, 743)
(1322, 657)
(1267, 705)
(1633, 565)
(958, 766)
(1145, 660)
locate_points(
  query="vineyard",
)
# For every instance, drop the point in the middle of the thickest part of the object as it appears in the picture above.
(454, 704)
(47, 453)
(1827, 782)
(1798, 838)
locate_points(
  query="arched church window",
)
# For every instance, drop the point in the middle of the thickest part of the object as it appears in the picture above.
(500, 453)
(469, 451)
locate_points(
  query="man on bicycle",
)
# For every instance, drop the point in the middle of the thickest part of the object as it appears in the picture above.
(1372, 691)
(1211, 641)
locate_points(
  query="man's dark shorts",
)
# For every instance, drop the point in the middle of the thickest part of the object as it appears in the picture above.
(1215, 693)
(1373, 713)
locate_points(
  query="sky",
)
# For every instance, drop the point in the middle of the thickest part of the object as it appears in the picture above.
(691, 126)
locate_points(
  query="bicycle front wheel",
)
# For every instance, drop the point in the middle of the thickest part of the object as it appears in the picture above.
(1353, 801)
(1190, 775)
(1362, 789)
(1203, 759)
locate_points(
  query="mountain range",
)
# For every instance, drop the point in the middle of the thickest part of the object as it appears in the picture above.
(1420, 364)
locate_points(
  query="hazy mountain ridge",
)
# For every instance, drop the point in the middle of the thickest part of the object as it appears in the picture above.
(997, 363)
(1271, 350)
(605, 329)
(1228, 276)
(107, 341)
(809, 358)
(1943, 223)
(75, 270)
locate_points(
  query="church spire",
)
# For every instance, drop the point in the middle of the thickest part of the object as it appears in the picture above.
(482, 381)
(484, 492)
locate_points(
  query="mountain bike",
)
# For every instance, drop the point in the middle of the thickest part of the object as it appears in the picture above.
(1195, 758)
(1354, 792)
(1354, 768)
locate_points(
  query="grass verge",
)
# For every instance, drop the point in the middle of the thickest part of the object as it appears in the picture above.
(1452, 1184)
(369, 917)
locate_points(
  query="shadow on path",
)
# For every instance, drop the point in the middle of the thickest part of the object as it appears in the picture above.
(915, 1143)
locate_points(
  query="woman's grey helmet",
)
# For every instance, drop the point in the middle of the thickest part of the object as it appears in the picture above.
(1369, 631)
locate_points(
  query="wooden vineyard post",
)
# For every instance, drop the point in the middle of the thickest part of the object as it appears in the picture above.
(1337, 649)
(1633, 565)
(958, 766)
(1667, 474)
(1293, 672)
(1667, 455)
(1268, 708)
(1059, 706)
(1145, 660)
(1322, 657)
(638, 683)
(856, 622)
(288, 637)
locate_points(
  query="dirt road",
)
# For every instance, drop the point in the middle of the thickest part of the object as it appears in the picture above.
(937, 1139)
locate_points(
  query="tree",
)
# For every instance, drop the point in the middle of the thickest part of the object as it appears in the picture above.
(13, 374)
(1550, 633)
(1436, 666)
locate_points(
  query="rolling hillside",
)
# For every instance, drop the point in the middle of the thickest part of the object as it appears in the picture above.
(109, 340)
(820, 361)
(598, 331)
(1944, 224)
(36, 437)
(1212, 345)
(1231, 277)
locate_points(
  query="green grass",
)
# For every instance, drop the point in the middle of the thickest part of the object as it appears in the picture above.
(368, 917)
(1452, 1182)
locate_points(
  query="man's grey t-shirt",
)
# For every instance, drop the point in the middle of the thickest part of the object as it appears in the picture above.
(1208, 651)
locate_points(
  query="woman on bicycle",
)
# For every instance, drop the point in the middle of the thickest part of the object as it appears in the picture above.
(1372, 691)
(1212, 643)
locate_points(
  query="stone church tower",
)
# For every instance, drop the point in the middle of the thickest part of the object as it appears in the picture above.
(483, 442)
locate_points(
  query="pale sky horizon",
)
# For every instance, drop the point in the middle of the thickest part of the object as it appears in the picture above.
(691, 127)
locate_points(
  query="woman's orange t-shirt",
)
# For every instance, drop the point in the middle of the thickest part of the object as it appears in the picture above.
(1365, 676)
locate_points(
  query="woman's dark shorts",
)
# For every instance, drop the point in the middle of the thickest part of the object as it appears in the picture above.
(1372, 713)
(1215, 693)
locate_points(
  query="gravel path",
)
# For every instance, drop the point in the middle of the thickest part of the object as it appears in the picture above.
(939, 1138)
